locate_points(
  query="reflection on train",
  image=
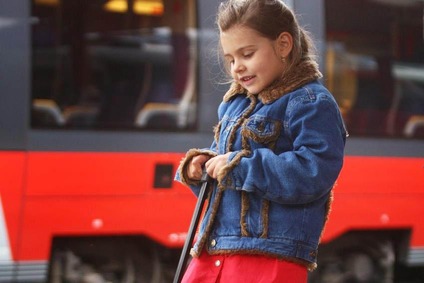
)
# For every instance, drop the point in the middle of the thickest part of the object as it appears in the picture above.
(113, 70)
(101, 98)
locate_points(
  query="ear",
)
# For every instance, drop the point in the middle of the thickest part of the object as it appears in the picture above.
(285, 44)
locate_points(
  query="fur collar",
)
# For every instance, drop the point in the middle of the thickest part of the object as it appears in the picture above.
(298, 75)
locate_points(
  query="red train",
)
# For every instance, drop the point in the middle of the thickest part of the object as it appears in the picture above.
(100, 99)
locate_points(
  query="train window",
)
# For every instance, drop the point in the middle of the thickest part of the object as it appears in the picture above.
(114, 64)
(375, 65)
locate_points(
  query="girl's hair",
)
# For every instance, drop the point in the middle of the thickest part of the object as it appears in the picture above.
(270, 18)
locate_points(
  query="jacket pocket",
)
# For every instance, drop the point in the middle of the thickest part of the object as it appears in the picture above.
(262, 130)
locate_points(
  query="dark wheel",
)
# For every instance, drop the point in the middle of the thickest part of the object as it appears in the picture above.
(118, 262)
(360, 263)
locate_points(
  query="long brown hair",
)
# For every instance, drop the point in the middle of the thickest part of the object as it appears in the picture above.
(270, 18)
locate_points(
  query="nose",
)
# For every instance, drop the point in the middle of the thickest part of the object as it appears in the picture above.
(238, 67)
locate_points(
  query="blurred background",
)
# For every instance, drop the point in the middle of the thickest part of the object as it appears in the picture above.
(100, 99)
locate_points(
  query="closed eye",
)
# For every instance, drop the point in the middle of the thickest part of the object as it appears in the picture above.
(248, 55)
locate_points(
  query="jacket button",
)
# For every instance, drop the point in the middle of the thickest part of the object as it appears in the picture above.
(213, 243)
(217, 263)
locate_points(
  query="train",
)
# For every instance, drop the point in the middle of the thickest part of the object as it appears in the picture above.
(101, 99)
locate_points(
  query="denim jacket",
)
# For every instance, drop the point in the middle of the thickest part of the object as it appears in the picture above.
(274, 195)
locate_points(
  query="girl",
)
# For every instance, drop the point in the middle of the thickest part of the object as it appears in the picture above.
(277, 152)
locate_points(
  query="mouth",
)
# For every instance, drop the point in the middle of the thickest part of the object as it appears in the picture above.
(246, 79)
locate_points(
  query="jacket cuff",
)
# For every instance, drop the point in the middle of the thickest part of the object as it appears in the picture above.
(182, 169)
(228, 176)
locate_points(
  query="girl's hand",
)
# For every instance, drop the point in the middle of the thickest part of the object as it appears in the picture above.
(215, 164)
(194, 168)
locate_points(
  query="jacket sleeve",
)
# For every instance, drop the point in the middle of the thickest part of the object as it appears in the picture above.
(310, 169)
(181, 174)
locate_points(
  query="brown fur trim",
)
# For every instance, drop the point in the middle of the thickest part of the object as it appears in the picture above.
(186, 160)
(243, 212)
(214, 209)
(240, 122)
(235, 88)
(245, 145)
(217, 130)
(269, 140)
(244, 141)
(227, 169)
(298, 76)
(265, 218)
(224, 172)
(327, 212)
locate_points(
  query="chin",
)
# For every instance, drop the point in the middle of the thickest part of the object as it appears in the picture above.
(253, 90)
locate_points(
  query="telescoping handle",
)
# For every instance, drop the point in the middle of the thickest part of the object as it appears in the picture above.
(206, 180)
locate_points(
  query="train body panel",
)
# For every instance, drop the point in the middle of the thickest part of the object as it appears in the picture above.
(98, 109)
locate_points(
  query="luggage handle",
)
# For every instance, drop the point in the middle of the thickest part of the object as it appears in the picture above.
(206, 180)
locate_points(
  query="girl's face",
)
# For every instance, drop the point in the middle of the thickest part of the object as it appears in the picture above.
(254, 60)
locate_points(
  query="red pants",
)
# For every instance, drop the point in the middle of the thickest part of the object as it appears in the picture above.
(243, 269)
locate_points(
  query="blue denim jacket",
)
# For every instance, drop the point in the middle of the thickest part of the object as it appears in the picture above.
(286, 156)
